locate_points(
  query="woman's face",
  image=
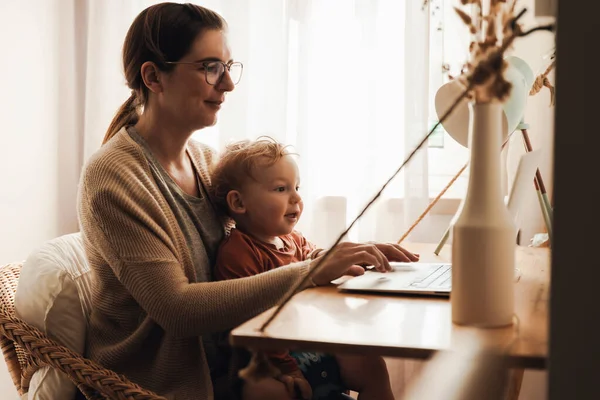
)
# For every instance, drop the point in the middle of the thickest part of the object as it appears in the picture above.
(190, 100)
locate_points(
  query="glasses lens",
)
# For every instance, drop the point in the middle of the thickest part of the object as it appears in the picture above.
(236, 72)
(214, 71)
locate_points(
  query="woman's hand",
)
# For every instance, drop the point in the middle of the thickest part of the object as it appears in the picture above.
(395, 252)
(346, 260)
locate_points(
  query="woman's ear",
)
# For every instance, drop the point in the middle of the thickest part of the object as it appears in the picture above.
(151, 77)
(235, 202)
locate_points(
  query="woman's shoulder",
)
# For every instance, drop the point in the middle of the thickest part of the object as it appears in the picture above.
(119, 147)
(117, 159)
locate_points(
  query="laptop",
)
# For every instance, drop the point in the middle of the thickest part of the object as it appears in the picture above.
(435, 278)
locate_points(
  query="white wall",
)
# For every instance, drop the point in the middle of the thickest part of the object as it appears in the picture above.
(539, 115)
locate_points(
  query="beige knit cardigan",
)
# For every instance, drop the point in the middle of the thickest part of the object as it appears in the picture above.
(148, 313)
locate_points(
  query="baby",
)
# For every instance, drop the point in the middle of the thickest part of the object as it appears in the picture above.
(256, 183)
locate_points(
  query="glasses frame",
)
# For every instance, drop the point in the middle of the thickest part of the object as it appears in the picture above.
(227, 66)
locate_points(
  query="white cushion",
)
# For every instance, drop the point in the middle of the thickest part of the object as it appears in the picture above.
(53, 295)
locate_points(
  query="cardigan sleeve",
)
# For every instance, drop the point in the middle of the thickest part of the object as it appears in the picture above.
(122, 219)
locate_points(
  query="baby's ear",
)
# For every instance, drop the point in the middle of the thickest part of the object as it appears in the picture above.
(235, 203)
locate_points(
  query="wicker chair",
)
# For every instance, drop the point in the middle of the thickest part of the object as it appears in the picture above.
(27, 349)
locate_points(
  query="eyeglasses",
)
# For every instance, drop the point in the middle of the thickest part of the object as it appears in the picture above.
(214, 70)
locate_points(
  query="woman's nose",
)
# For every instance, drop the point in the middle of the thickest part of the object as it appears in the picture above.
(226, 83)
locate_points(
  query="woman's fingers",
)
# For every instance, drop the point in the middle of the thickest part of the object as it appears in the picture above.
(383, 265)
(391, 251)
(346, 256)
(355, 270)
(342, 262)
(412, 256)
(366, 255)
(395, 252)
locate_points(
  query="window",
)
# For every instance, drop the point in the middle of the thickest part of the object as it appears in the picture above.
(449, 43)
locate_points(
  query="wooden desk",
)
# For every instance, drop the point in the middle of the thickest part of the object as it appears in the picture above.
(324, 319)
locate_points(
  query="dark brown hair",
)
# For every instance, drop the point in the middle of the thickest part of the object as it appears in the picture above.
(237, 165)
(162, 32)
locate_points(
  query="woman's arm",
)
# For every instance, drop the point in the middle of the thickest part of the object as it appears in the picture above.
(126, 220)
(122, 218)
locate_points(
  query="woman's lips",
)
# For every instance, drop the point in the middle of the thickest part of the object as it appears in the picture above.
(214, 104)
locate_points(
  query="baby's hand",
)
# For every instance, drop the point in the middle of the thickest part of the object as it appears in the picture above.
(296, 385)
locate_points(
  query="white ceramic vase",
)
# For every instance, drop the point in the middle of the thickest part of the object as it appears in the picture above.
(483, 236)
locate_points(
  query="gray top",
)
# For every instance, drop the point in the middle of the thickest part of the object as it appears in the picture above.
(201, 227)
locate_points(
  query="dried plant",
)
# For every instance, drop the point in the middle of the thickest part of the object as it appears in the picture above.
(494, 34)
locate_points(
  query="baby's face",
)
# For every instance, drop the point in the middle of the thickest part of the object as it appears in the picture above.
(273, 204)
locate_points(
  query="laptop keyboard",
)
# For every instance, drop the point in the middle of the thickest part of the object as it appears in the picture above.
(440, 277)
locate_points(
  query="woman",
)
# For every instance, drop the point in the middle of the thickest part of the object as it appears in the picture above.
(150, 230)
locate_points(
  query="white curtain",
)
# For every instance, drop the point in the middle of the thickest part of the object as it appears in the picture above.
(346, 82)
(340, 81)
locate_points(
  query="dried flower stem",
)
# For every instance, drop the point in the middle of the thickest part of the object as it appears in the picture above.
(486, 67)
(466, 19)
(480, 13)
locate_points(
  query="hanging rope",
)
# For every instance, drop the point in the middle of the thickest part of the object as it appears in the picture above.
(541, 81)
